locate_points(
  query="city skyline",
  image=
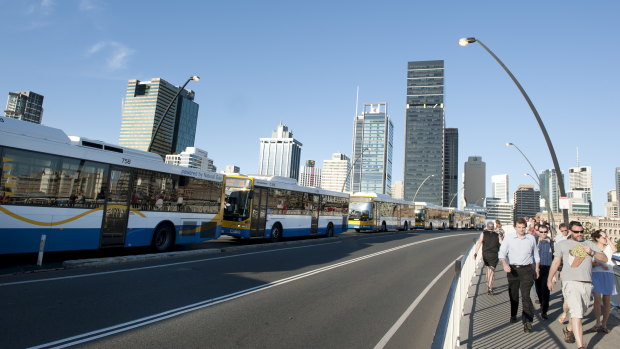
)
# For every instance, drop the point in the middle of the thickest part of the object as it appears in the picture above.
(259, 64)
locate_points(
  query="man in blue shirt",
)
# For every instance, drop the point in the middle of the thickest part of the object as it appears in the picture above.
(521, 261)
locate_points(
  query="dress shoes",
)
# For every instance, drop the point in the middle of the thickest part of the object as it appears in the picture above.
(513, 319)
(527, 327)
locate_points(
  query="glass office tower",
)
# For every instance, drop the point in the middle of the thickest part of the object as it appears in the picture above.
(450, 167)
(373, 135)
(424, 132)
(26, 106)
(144, 105)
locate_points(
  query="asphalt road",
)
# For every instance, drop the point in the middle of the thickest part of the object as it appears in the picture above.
(364, 291)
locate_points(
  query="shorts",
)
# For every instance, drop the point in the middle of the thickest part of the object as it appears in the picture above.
(490, 259)
(604, 283)
(577, 297)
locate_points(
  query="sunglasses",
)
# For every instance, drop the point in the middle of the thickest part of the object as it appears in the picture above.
(577, 231)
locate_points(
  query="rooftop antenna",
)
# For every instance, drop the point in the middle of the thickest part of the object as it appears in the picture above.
(577, 156)
(357, 99)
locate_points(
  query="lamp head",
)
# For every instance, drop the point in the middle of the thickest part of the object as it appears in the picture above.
(195, 78)
(509, 144)
(466, 41)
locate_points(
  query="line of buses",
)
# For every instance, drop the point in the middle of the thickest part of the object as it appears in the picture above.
(85, 194)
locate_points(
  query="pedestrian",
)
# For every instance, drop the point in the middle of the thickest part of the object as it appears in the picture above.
(490, 241)
(603, 281)
(499, 230)
(564, 234)
(546, 257)
(577, 255)
(520, 259)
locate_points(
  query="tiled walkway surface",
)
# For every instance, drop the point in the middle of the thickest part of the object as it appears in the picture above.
(485, 322)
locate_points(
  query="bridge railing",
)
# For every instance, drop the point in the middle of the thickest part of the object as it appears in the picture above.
(615, 300)
(448, 328)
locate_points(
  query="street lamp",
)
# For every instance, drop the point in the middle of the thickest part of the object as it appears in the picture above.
(161, 120)
(454, 196)
(420, 186)
(556, 165)
(351, 169)
(551, 220)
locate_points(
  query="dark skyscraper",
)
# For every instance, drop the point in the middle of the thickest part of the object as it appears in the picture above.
(145, 102)
(26, 106)
(450, 167)
(424, 132)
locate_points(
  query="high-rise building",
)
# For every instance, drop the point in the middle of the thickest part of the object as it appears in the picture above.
(280, 155)
(450, 166)
(336, 174)
(424, 132)
(526, 201)
(310, 175)
(580, 179)
(617, 176)
(373, 135)
(501, 209)
(26, 106)
(192, 157)
(474, 181)
(232, 169)
(398, 190)
(499, 187)
(550, 189)
(143, 108)
(611, 206)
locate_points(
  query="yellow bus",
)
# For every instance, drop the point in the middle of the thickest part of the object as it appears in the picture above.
(374, 211)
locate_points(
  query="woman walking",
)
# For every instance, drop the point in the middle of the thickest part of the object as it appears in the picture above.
(490, 241)
(603, 282)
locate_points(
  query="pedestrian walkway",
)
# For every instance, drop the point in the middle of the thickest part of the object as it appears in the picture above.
(485, 322)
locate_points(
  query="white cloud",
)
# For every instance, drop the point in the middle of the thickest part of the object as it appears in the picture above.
(90, 5)
(43, 8)
(116, 53)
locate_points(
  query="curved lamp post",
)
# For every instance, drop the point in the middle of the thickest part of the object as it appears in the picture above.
(351, 169)
(550, 214)
(454, 196)
(556, 165)
(161, 120)
(420, 186)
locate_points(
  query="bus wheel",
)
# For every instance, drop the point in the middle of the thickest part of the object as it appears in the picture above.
(406, 226)
(431, 226)
(163, 238)
(276, 233)
(357, 230)
(383, 227)
(330, 230)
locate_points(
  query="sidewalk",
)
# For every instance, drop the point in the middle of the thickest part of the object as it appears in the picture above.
(485, 322)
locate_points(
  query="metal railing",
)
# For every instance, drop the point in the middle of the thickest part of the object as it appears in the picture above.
(447, 334)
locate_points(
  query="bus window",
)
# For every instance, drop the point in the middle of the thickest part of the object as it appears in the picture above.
(237, 196)
(360, 211)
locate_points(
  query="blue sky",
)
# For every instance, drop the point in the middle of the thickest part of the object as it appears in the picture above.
(262, 62)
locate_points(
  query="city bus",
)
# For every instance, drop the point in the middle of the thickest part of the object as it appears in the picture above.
(85, 194)
(374, 211)
(458, 219)
(277, 207)
(431, 216)
(476, 220)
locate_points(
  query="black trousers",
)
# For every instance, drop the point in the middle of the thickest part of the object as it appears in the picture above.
(541, 288)
(521, 279)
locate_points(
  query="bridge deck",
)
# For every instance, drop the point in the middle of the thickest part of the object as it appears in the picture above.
(485, 322)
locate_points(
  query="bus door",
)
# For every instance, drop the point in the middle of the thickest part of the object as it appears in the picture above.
(116, 208)
(313, 201)
(259, 212)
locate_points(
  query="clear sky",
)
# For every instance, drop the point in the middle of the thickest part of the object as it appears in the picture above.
(262, 62)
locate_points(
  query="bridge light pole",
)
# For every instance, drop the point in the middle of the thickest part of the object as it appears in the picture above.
(556, 165)
(420, 186)
(550, 214)
(351, 169)
(163, 116)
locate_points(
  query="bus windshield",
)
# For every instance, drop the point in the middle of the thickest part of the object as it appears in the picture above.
(237, 197)
(360, 211)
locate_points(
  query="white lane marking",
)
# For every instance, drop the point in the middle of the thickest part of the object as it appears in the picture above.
(386, 338)
(104, 332)
(160, 265)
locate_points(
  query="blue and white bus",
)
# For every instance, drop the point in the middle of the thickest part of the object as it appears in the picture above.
(374, 211)
(430, 216)
(84, 194)
(276, 208)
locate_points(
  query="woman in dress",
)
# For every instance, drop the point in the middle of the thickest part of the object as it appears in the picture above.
(490, 242)
(603, 281)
